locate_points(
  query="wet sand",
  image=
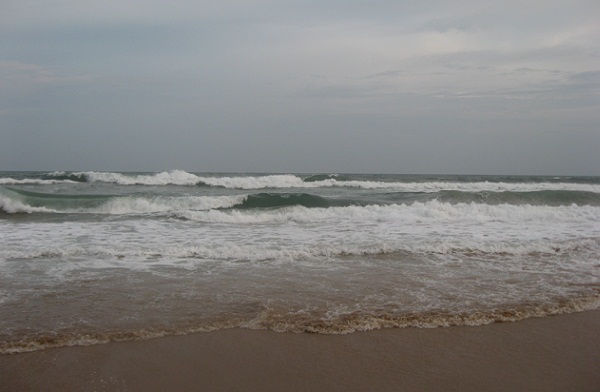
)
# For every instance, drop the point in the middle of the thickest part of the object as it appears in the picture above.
(560, 353)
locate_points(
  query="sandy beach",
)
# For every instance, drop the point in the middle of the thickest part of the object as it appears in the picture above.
(560, 353)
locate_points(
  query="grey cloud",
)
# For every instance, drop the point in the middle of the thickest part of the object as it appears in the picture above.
(300, 86)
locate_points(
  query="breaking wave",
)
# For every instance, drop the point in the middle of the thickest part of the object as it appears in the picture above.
(180, 177)
(61, 175)
(31, 181)
(322, 177)
(304, 207)
(12, 206)
(21, 201)
(416, 212)
(18, 201)
(14, 200)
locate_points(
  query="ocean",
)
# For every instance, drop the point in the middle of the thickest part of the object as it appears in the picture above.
(94, 257)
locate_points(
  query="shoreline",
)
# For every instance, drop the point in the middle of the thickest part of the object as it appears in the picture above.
(556, 353)
(346, 325)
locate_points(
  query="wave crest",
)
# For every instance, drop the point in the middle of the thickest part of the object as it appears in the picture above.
(18, 201)
(180, 177)
(32, 181)
(13, 206)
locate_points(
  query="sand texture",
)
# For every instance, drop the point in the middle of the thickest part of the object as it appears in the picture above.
(560, 353)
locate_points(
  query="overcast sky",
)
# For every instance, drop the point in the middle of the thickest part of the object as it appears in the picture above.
(301, 86)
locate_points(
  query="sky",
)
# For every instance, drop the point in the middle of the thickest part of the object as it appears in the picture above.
(470, 87)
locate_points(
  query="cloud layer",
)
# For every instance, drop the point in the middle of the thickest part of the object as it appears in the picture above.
(350, 86)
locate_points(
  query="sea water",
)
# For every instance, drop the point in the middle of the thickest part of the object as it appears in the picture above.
(92, 257)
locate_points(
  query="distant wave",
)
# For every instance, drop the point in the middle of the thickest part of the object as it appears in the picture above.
(180, 177)
(31, 181)
(323, 177)
(61, 175)
(174, 177)
(539, 197)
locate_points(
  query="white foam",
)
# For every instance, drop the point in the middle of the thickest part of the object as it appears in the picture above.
(303, 233)
(292, 181)
(32, 181)
(180, 177)
(433, 211)
(249, 182)
(129, 204)
(12, 206)
(483, 186)
(174, 177)
(143, 256)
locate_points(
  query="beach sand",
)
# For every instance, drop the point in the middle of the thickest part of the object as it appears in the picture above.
(559, 353)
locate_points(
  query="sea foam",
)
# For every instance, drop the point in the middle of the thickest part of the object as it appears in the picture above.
(32, 181)
(10, 205)
(180, 177)
(417, 212)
